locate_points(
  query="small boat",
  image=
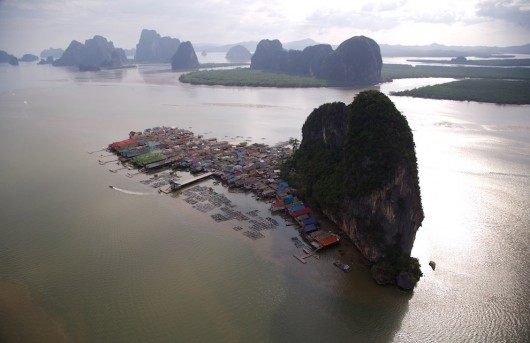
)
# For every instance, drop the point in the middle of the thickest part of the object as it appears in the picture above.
(111, 186)
(342, 266)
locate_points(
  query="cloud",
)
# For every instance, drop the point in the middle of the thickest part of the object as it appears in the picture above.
(28, 25)
(513, 11)
(365, 19)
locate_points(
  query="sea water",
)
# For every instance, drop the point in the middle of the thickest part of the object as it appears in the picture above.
(80, 261)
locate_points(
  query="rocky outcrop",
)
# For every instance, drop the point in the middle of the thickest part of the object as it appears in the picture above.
(29, 58)
(238, 53)
(357, 164)
(96, 52)
(357, 61)
(185, 57)
(71, 56)
(152, 48)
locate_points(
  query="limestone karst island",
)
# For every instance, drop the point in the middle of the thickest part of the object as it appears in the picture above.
(357, 164)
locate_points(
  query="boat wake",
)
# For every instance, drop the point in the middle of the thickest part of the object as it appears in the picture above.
(129, 192)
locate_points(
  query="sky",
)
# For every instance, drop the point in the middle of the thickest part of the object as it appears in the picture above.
(29, 26)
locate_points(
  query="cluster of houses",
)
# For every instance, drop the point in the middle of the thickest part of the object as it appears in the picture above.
(253, 167)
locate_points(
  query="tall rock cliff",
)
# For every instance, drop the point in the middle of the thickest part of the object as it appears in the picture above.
(185, 57)
(357, 163)
(268, 55)
(357, 61)
(153, 48)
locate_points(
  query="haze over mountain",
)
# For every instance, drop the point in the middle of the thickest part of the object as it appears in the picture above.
(95, 52)
(28, 26)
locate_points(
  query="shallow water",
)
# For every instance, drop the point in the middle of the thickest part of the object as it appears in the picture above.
(83, 261)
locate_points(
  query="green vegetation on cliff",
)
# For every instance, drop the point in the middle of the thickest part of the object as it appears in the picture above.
(481, 90)
(357, 164)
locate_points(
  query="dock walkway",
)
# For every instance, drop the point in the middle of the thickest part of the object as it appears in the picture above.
(178, 185)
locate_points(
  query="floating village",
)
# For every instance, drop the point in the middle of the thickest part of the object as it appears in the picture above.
(161, 152)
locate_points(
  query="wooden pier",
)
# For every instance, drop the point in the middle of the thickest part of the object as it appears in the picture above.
(309, 254)
(178, 185)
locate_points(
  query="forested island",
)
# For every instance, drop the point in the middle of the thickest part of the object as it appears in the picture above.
(492, 84)
(253, 78)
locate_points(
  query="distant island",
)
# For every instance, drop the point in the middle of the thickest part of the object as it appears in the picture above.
(484, 84)
(51, 52)
(355, 62)
(7, 58)
(185, 58)
(439, 50)
(390, 72)
(238, 53)
(153, 48)
(245, 77)
(461, 60)
(95, 53)
(29, 58)
(357, 164)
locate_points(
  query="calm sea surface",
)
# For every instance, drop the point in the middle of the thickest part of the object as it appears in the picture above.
(81, 262)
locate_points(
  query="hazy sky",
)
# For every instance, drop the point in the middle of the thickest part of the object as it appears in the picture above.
(29, 26)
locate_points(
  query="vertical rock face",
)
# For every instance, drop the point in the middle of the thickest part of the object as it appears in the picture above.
(356, 61)
(96, 52)
(185, 57)
(71, 56)
(357, 163)
(313, 57)
(268, 55)
(155, 49)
